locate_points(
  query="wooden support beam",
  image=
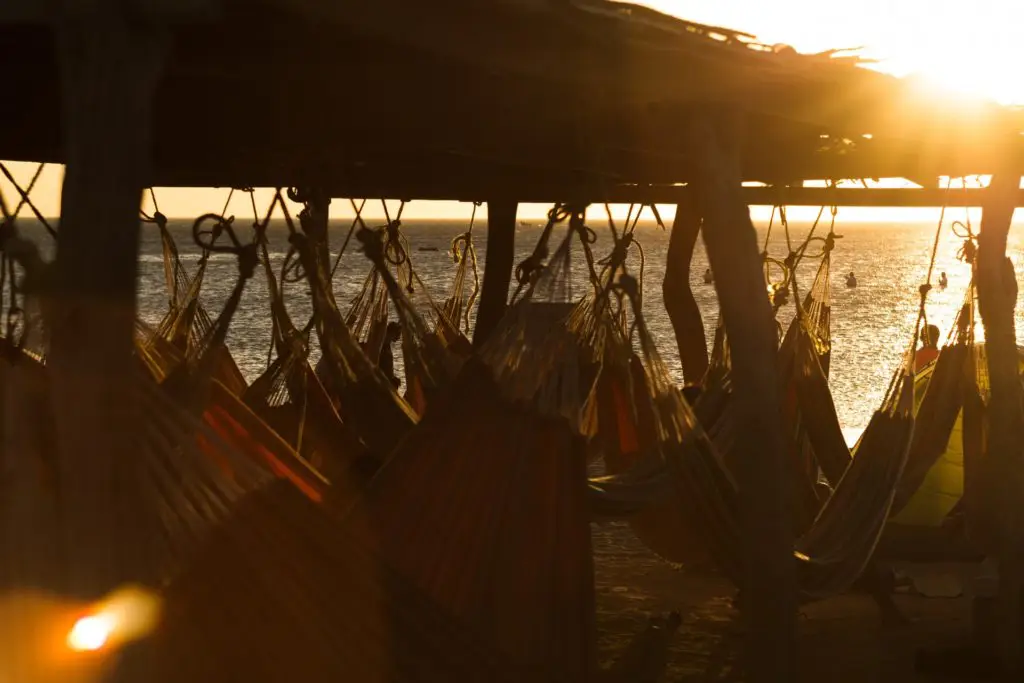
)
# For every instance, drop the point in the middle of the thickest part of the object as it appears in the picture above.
(498, 263)
(997, 297)
(769, 589)
(588, 192)
(109, 70)
(680, 304)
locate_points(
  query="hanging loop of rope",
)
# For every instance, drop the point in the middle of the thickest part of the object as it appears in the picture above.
(247, 254)
(969, 248)
(529, 267)
(461, 245)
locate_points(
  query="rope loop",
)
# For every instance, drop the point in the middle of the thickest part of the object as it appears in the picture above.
(577, 223)
(461, 244)
(292, 270)
(247, 254)
(206, 239)
(532, 264)
(969, 249)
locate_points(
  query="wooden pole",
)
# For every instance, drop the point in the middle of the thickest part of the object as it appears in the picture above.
(770, 597)
(680, 303)
(997, 297)
(498, 263)
(109, 69)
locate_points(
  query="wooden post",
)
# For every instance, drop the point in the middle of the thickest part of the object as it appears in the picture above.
(770, 596)
(997, 296)
(680, 303)
(501, 250)
(109, 68)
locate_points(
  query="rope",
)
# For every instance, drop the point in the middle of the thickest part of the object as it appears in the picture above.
(969, 249)
(460, 256)
(531, 265)
(358, 220)
(26, 201)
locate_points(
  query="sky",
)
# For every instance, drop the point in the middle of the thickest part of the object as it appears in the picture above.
(968, 48)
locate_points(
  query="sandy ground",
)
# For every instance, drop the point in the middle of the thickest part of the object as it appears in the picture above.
(841, 639)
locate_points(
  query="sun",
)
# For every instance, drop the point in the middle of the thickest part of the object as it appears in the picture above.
(970, 49)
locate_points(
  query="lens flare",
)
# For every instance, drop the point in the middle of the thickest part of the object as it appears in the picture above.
(127, 615)
(91, 633)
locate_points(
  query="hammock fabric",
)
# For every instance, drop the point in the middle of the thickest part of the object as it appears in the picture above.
(262, 586)
(291, 399)
(484, 508)
(366, 400)
(280, 592)
(431, 363)
(457, 307)
(837, 546)
(187, 325)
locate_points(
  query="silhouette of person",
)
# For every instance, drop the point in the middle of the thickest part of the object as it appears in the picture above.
(929, 350)
(851, 280)
(708, 277)
(386, 360)
(943, 280)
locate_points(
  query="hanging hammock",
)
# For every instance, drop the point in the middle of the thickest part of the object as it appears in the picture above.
(260, 586)
(430, 363)
(508, 555)
(457, 308)
(187, 322)
(290, 398)
(835, 549)
(366, 399)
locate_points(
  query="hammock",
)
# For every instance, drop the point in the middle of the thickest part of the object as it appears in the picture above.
(279, 593)
(256, 586)
(483, 508)
(291, 399)
(457, 307)
(187, 323)
(366, 399)
(837, 546)
(430, 362)
(816, 438)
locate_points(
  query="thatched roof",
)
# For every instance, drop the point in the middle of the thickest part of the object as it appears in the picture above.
(463, 98)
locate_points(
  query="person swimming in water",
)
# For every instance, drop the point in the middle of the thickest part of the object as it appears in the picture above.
(851, 280)
(708, 277)
(943, 281)
(929, 350)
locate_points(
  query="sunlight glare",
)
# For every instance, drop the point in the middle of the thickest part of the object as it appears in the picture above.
(965, 49)
(127, 615)
(90, 633)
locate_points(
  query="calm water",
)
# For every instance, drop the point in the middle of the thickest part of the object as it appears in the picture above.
(871, 325)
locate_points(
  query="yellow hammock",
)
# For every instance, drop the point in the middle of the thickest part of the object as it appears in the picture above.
(943, 486)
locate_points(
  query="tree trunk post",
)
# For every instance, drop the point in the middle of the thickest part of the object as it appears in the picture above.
(109, 69)
(997, 297)
(498, 263)
(680, 304)
(770, 594)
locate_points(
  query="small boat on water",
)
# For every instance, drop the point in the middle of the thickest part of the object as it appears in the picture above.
(524, 224)
(427, 249)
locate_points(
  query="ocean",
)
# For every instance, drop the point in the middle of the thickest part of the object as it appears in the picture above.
(872, 324)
